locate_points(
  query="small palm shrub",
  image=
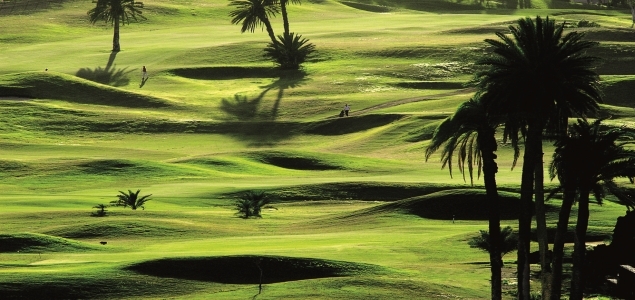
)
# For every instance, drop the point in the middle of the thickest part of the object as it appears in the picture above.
(250, 204)
(101, 210)
(289, 51)
(131, 199)
(509, 241)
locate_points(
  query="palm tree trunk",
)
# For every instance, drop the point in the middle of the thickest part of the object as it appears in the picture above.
(532, 148)
(115, 38)
(490, 168)
(541, 228)
(579, 247)
(285, 17)
(558, 243)
(272, 36)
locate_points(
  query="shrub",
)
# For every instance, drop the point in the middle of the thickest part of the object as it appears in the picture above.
(509, 241)
(131, 199)
(289, 51)
(101, 210)
(250, 204)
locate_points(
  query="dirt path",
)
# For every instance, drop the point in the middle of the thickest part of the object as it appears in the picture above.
(411, 100)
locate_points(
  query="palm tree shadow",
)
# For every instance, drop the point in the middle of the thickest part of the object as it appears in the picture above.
(247, 109)
(242, 108)
(287, 80)
(109, 75)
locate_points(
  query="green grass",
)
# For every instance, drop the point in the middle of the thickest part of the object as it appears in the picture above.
(355, 201)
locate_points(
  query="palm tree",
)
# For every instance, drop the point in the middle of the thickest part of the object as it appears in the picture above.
(470, 135)
(250, 204)
(290, 51)
(581, 172)
(114, 11)
(537, 78)
(254, 13)
(131, 199)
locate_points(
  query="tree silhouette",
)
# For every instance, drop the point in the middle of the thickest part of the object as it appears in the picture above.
(537, 78)
(116, 11)
(470, 135)
(587, 160)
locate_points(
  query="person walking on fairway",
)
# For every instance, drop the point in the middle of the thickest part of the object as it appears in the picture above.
(346, 109)
(144, 74)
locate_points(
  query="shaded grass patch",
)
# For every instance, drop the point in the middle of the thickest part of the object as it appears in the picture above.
(118, 228)
(33, 242)
(351, 124)
(58, 86)
(295, 160)
(246, 269)
(357, 190)
(228, 72)
(460, 204)
(431, 85)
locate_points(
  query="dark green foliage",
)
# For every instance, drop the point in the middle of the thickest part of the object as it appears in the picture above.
(250, 204)
(116, 11)
(508, 241)
(289, 51)
(101, 210)
(254, 13)
(585, 23)
(131, 199)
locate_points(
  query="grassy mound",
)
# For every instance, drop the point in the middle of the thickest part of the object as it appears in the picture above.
(431, 85)
(357, 190)
(118, 228)
(460, 204)
(368, 7)
(296, 160)
(618, 90)
(352, 124)
(32, 242)
(58, 86)
(228, 73)
(594, 234)
(246, 269)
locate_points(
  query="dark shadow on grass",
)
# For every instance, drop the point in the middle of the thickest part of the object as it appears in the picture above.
(347, 125)
(246, 109)
(227, 73)
(246, 269)
(431, 85)
(109, 75)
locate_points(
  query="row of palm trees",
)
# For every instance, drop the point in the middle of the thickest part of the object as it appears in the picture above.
(533, 81)
(288, 50)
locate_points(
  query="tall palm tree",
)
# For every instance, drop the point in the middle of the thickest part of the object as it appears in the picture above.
(537, 77)
(470, 135)
(254, 13)
(604, 157)
(115, 11)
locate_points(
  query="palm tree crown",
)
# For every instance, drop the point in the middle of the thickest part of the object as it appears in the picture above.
(254, 13)
(537, 71)
(115, 11)
(132, 199)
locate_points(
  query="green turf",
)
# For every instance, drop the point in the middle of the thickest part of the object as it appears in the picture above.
(358, 212)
